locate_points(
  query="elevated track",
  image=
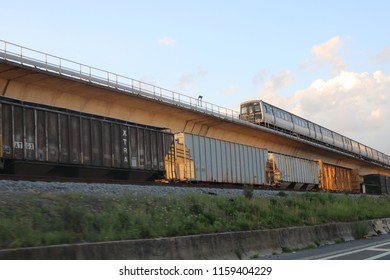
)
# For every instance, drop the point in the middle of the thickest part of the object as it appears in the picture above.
(33, 76)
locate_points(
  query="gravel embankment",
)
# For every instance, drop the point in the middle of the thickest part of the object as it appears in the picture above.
(10, 186)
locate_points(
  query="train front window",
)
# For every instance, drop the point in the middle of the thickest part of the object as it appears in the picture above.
(244, 110)
(257, 108)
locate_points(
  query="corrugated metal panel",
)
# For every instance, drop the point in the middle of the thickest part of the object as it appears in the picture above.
(116, 146)
(220, 161)
(96, 132)
(7, 131)
(52, 136)
(75, 140)
(86, 149)
(64, 138)
(18, 132)
(41, 136)
(336, 178)
(107, 144)
(294, 170)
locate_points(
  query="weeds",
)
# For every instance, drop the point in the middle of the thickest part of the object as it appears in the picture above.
(36, 219)
(248, 191)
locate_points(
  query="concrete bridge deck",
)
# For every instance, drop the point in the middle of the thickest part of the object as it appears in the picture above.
(37, 77)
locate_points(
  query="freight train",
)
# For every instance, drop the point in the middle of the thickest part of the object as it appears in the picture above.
(203, 159)
(262, 113)
(48, 141)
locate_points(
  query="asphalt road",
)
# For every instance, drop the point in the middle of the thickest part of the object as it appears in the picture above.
(372, 248)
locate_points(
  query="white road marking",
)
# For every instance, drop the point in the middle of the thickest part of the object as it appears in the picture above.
(371, 248)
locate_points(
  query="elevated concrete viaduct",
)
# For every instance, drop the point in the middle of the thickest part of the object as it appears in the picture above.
(114, 96)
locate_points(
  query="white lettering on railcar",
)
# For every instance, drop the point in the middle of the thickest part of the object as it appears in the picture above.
(27, 145)
(18, 145)
(125, 151)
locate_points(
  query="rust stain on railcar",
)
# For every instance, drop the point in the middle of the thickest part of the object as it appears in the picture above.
(339, 179)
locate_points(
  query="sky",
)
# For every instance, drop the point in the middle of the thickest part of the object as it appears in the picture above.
(326, 61)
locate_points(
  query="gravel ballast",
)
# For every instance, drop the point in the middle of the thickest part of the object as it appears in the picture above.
(11, 186)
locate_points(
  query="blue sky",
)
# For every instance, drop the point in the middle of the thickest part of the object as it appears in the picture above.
(328, 61)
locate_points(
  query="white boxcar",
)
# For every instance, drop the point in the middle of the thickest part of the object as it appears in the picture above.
(206, 159)
(291, 172)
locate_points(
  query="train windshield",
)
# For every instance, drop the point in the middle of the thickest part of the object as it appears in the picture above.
(244, 109)
(256, 108)
(250, 108)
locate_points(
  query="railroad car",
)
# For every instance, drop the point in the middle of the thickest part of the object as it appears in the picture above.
(37, 139)
(377, 184)
(292, 173)
(338, 179)
(196, 158)
(262, 113)
(203, 159)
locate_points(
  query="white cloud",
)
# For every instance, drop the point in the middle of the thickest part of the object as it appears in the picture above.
(260, 77)
(271, 88)
(231, 90)
(326, 54)
(383, 57)
(354, 104)
(166, 41)
(187, 80)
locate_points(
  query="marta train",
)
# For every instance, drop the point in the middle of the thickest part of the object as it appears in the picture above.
(265, 114)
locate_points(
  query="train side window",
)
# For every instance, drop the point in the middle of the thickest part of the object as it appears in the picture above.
(300, 122)
(268, 109)
(326, 132)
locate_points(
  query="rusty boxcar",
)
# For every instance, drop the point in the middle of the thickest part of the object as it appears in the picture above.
(338, 179)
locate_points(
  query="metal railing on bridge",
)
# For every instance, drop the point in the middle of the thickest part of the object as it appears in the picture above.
(64, 67)
(53, 64)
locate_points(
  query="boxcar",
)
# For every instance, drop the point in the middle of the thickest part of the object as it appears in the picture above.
(69, 143)
(377, 184)
(338, 179)
(291, 172)
(204, 159)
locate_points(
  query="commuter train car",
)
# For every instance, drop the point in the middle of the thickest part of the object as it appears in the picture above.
(262, 113)
(42, 140)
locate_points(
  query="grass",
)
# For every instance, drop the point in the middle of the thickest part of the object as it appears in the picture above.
(36, 219)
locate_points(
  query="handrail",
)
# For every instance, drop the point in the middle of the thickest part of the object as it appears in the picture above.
(64, 67)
